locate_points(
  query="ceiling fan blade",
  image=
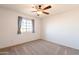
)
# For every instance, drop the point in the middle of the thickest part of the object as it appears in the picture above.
(47, 7)
(45, 12)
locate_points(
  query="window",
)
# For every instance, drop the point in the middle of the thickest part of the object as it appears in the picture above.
(25, 25)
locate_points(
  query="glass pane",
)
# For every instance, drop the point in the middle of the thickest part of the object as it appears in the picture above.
(29, 30)
(29, 22)
(26, 25)
(23, 25)
(23, 30)
(29, 25)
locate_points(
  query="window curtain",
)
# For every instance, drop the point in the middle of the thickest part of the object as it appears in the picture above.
(19, 24)
(33, 25)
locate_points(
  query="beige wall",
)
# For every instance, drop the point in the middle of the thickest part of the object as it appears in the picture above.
(8, 29)
(62, 28)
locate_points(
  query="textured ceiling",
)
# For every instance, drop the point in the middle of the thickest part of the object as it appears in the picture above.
(27, 9)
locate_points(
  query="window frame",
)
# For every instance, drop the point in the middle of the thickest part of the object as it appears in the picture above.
(20, 24)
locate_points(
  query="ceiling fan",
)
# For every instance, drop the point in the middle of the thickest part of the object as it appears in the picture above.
(40, 9)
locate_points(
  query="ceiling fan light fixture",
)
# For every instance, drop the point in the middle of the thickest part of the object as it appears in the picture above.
(39, 12)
